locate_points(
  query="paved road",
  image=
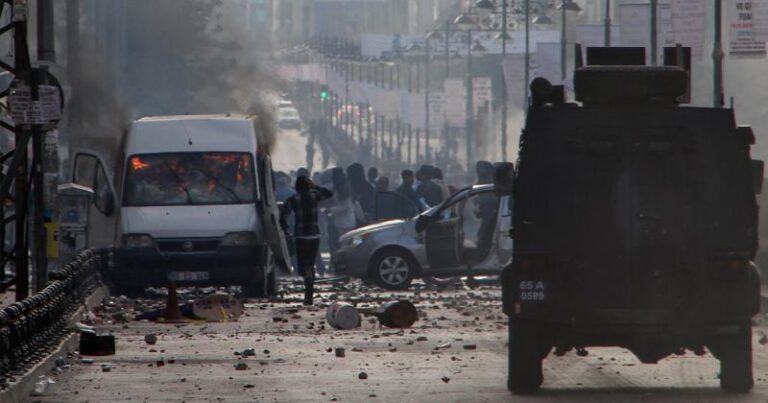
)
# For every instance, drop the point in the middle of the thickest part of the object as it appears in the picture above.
(291, 150)
(198, 361)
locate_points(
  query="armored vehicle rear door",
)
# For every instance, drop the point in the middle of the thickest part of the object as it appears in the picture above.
(596, 217)
(660, 215)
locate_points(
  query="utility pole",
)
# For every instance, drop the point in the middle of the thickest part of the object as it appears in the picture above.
(527, 51)
(469, 107)
(718, 56)
(503, 81)
(607, 38)
(654, 32)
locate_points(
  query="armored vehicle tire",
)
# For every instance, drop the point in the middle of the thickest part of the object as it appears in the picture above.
(525, 356)
(393, 269)
(735, 353)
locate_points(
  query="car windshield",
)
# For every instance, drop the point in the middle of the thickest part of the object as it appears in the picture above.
(190, 178)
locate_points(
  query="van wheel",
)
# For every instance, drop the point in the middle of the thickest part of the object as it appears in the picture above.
(736, 361)
(525, 347)
(393, 269)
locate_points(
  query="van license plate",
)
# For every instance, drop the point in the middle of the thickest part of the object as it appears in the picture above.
(188, 276)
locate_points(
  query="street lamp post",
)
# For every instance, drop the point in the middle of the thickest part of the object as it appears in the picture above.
(565, 6)
(504, 37)
(607, 34)
(426, 100)
(468, 121)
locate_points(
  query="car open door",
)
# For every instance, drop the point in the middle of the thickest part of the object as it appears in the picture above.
(393, 206)
(443, 237)
(90, 170)
(270, 215)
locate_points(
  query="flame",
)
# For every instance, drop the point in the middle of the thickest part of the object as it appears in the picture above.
(137, 164)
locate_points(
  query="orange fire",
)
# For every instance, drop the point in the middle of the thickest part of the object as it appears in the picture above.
(137, 164)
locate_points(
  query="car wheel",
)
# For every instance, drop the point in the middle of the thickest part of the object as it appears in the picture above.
(393, 269)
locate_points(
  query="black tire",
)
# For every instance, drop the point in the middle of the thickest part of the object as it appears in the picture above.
(736, 361)
(393, 269)
(525, 357)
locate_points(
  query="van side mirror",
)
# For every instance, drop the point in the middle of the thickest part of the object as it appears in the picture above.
(757, 175)
(109, 204)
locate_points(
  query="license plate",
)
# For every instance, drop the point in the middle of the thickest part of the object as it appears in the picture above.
(188, 276)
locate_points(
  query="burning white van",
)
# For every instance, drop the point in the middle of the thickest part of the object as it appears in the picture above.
(194, 204)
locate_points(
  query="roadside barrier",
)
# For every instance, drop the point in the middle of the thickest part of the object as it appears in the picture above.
(30, 328)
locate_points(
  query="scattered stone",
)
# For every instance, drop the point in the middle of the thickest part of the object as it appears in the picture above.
(241, 366)
(470, 347)
(160, 363)
(357, 349)
(443, 346)
(106, 367)
(150, 339)
(362, 375)
(446, 379)
(763, 340)
(421, 338)
(340, 352)
(249, 352)
(86, 360)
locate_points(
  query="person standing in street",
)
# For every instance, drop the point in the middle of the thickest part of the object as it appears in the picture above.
(406, 186)
(303, 205)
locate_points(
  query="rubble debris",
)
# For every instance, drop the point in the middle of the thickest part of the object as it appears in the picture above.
(150, 338)
(249, 352)
(340, 352)
(446, 379)
(218, 307)
(342, 316)
(86, 361)
(241, 366)
(763, 340)
(362, 375)
(93, 344)
(443, 346)
(470, 347)
(106, 367)
(399, 314)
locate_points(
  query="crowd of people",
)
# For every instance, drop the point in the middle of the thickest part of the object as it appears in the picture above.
(318, 208)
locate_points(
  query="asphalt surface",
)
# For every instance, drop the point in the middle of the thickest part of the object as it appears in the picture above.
(432, 362)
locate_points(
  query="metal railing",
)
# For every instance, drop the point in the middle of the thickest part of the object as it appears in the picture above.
(30, 328)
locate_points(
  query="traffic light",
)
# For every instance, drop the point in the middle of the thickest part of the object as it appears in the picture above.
(323, 92)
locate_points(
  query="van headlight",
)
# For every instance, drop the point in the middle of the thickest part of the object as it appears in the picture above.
(353, 241)
(137, 241)
(245, 238)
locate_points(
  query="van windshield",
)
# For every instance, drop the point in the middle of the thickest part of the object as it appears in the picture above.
(190, 178)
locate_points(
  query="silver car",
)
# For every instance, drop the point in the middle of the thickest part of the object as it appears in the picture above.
(467, 234)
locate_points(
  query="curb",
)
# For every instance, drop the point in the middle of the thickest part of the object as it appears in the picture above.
(25, 384)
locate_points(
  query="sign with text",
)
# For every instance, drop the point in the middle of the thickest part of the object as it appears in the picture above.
(743, 43)
(688, 24)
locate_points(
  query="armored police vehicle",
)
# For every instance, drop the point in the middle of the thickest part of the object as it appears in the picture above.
(634, 224)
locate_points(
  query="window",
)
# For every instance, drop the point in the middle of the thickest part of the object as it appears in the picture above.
(190, 178)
